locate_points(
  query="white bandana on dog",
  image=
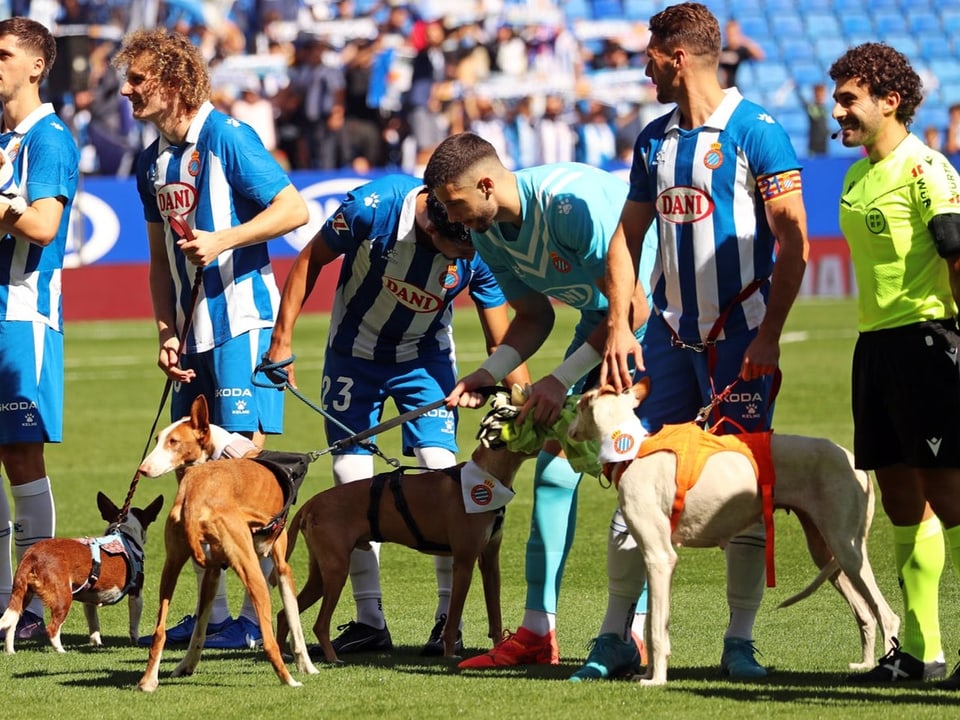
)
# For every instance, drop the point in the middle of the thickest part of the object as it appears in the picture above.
(238, 446)
(623, 443)
(481, 490)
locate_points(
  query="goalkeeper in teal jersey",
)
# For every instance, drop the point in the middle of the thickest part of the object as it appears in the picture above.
(900, 214)
(544, 233)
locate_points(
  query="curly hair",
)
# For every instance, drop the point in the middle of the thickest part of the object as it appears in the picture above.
(457, 232)
(176, 64)
(688, 25)
(882, 69)
(33, 36)
(454, 156)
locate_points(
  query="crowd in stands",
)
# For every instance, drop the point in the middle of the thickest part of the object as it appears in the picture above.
(367, 84)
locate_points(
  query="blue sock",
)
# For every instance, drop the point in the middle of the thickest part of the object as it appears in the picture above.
(551, 530)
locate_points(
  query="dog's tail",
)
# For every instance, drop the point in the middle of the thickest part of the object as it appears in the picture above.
(293, 532)
(825, 572)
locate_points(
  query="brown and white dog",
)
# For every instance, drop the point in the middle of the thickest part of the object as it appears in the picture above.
(815, 479)
(220, 508)
(438, 512)
(94, 571)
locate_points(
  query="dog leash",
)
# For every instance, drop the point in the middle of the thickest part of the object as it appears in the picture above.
(277, 378)
(179, 225)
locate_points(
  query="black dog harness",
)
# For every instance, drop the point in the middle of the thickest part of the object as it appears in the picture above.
(116, 543)
(290, 469)
(395, 480)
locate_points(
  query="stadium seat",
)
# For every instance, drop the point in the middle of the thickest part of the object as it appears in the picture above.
(843, 8)
(886, 22)
(950, 20)
(640, 9)
(577, 10)
(606, 9)
(856, 24)
(879, 5)
(829, 49)
(936, 47)
(822, 24)
(815, 5)
(770, 76)
(777, 7)
(923, 22)
(795, 49)
(807, 72)
(786, 25)
(947, 71)
(903, 42)
(753, 26)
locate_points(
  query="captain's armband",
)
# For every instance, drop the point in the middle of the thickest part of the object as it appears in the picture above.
(945, 229)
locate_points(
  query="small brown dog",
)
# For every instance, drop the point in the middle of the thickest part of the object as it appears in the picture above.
(94, 571)
(226, 512)
(426, 511)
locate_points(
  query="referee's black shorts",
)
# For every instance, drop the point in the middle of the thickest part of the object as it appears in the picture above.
(906, 396)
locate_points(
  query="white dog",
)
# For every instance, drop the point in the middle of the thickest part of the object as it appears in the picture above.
(815, 478)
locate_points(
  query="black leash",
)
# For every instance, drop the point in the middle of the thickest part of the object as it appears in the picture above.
(180, 226)
(278, 378)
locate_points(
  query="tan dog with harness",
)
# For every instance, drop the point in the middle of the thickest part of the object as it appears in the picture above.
(226, 513)
(456, 511)
(814, 478)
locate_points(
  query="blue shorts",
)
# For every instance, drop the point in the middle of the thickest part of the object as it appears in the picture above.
(354, 391)
(224, 376)
(681, 385)
(31, 383)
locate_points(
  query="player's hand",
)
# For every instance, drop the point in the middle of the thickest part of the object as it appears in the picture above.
(462, 394)
(544, 401)
(615, 366)
(169, 362)
(761, 358)
(203, 249)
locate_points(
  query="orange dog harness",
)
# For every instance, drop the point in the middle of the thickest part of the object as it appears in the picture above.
(692, 447)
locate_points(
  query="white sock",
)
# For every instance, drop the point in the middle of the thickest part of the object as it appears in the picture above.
(6, 545)
(539, 622)
(247, 610)
(443, 565)
(365, 581)
(746, 576)
(35, 519)
(220, 610)
(639, 625)
(434, 458)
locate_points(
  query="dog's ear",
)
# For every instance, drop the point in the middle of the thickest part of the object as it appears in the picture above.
(640, 390)
(108, 511)
(200, 413)
(151, 511)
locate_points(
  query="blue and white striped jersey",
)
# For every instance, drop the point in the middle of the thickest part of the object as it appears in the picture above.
(219, 177)
(709, 185)
(45, 164)
(569, 212)
(394, 296)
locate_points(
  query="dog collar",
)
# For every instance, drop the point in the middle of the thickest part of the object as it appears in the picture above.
(482, 492)
(623, 442)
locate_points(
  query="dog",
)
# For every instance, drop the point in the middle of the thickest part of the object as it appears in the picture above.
(426, 511)
(94, 571)
(226, 512)
(815, 479)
